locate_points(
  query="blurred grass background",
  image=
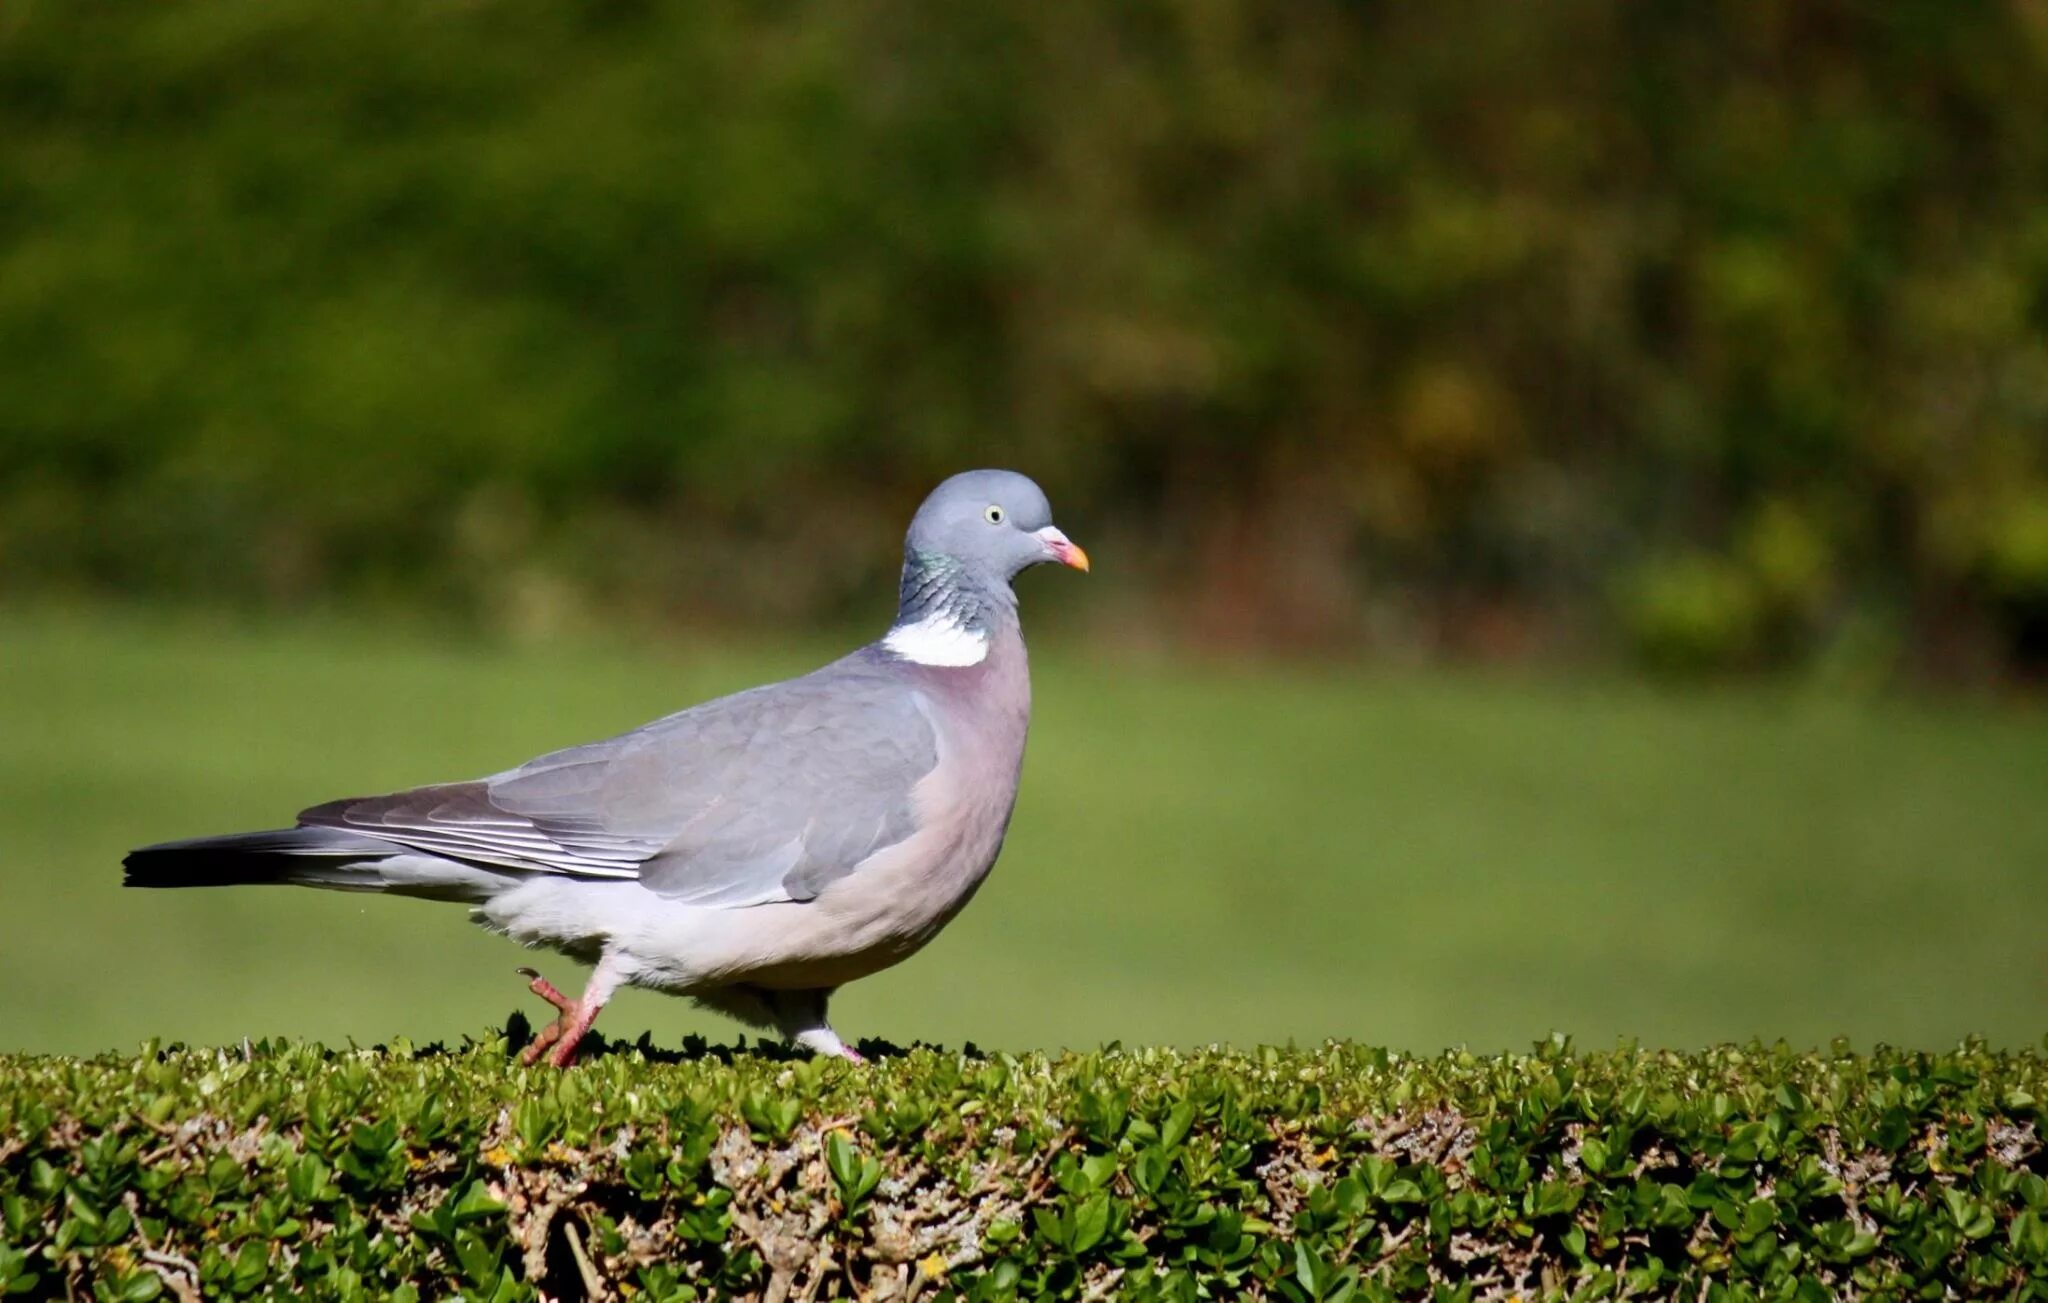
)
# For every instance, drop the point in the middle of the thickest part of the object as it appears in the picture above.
(1568, 485)
(1418, 860)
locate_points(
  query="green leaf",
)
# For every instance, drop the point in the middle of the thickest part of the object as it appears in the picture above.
(1552, 1198)
(1308, 1269)
(44, 1179)
(1056, 1229)
(1097, 1169)
(1000, 1232)
(771, 1116)
(1349, 1194)
(251, 1268)
(1176, 1126)
(141, 1286)
(476, 1204)
(853, 1172)
(1402, 1190)
(1091, 1222)
(1149, 1169)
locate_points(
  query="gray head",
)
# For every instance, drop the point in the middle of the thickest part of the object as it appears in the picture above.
(968, 540)
(990, 523)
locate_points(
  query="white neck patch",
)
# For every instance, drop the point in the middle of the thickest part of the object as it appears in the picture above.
(938, 639)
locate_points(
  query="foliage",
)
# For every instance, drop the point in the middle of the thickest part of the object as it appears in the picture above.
(1718, 327)
(1327, 1174)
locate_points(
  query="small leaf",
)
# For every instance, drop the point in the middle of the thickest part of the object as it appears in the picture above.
(842, 1159)
(1176, 1126)
(1097, 1169)
(1402, 1190)
(1091, 1222)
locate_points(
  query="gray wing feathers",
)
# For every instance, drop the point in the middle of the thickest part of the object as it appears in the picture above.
(459, 820)
(767, 795)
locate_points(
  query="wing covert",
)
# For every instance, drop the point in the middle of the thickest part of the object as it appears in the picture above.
(767, 795)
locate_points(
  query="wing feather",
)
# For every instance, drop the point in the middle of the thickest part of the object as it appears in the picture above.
(767, 795)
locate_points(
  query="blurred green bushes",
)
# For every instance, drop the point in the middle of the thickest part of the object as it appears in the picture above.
(1718, 331)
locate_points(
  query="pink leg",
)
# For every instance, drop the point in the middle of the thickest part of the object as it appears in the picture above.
(551, 1033)
(564, 1033)
(547, 990)
(579, 1022)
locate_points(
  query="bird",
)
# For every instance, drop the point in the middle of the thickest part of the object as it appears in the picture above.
(753, 853)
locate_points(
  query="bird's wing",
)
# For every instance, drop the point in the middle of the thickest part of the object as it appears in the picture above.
(766, 795)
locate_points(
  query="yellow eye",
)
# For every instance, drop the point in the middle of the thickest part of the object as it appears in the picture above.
(994, 514)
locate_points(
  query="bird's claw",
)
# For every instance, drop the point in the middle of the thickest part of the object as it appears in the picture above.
(566, 1032)
(546, 990)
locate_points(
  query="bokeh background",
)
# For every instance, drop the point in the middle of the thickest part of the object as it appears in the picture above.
(1568, 485)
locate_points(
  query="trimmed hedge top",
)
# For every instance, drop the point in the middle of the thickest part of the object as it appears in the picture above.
(1333, 1173)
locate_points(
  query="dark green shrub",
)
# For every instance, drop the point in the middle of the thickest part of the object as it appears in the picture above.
(1333, 1173)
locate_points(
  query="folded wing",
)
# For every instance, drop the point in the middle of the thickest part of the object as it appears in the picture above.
(767, 795)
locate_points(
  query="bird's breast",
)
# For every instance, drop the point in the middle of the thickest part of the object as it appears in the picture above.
(899, 898)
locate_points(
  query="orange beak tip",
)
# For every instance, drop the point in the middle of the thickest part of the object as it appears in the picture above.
(1058, 547)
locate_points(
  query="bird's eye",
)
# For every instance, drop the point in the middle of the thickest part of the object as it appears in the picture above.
(994, 514)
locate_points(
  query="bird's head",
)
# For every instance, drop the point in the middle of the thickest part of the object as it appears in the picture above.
(992, 522)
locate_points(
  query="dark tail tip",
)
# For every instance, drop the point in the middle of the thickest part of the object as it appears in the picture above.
(173, 866)
(236, 860)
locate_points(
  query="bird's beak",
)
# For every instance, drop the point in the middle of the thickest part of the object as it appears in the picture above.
(1062, 549)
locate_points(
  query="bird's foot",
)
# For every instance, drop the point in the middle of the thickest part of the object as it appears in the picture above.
(559, 1039)
(556, 1033)
(825, 1043)
(547, 990)
(542, 1039)
(564, 1052)
(564, 1034)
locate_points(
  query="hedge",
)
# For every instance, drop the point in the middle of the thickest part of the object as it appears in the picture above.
(1337, 1172)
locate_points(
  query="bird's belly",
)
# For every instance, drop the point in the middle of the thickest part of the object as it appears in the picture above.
(887, 909)
(878, 915)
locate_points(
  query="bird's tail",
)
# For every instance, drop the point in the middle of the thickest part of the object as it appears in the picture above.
(286, 855)
(308, 857)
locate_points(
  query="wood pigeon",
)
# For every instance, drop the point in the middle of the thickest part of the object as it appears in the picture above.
(755, 852)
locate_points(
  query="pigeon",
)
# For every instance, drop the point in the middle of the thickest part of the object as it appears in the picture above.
(755, 852)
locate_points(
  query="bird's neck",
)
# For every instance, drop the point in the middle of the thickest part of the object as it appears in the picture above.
(947, 613)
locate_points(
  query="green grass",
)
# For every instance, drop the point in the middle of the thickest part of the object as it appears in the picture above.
(1199, 854)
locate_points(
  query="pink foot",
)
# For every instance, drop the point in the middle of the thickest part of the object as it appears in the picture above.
(545, 1037)
(547, 990)
(565, 1049)
(564, 1032)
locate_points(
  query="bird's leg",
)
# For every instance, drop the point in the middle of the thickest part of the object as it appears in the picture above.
(566, 1031)
(825, 1041)
(801, 1016)
(543, 1038)
(551, 1033)
(573, 1026)
(547, 990)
